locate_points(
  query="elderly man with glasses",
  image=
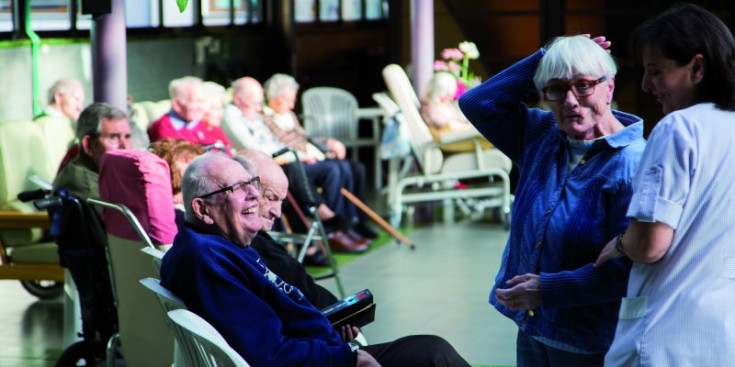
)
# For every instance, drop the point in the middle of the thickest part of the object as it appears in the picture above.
(576, 164)
(212, 267)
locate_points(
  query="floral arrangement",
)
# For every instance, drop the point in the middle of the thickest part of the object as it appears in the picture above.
(456, 61)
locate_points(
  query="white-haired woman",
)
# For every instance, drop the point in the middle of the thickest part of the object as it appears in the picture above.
(576, 164)
(441, 113)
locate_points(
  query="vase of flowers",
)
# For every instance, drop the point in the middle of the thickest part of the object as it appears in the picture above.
(456, 61)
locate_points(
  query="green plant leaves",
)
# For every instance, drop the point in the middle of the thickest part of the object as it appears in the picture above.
(182, 5)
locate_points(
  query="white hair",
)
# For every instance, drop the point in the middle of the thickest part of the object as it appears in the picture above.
(214, 93)
(572, 55)
(177, 87)
(197, 182)
(441, 85)
(63, 86)
(277, 84)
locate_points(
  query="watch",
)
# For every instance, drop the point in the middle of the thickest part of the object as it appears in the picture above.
(619, 245)
(354, 346)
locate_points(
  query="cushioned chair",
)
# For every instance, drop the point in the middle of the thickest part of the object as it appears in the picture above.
(139, 115)
(24, 154)
(138, 181)
(439, 173)
(199, 335)
(60, 134)
(157, 109)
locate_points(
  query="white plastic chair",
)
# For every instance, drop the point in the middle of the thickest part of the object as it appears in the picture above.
(438, 173)
(193, 332)
(156, 256)
(334, 112)
(183, 357)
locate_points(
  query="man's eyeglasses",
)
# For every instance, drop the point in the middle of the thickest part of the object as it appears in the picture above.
(254, 182)
(557, 91)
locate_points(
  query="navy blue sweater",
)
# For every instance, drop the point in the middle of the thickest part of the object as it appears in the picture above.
(266, 320)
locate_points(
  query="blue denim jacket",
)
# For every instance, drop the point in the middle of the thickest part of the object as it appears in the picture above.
(561, 220)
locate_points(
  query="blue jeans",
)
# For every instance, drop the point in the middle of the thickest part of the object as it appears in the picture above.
(532, 353)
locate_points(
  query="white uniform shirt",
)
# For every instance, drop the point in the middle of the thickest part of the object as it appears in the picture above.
(680, 311)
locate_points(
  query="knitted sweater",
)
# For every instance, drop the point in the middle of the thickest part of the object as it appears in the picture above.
(266, 320)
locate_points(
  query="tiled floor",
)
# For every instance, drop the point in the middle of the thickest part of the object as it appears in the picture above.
(440, 288)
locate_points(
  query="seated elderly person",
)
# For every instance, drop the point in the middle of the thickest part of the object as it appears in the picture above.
(441, 113)
(65, 99)
(101, 127)
(243, 122)
(186, 118)
(280, 93)
(269, 322)
(273, 189)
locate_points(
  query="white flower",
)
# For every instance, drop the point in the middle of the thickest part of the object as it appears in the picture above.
(469, 49)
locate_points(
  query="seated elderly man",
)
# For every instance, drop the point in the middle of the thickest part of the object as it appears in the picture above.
(280, 94)
(273, 189)
(243, 122)
(186, 118)
(101, 128)
(212, 267)
(65, 99)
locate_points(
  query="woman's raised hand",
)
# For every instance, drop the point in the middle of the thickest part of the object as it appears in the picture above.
(601, 40)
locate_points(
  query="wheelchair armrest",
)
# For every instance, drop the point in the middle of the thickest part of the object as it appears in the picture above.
(18, 220)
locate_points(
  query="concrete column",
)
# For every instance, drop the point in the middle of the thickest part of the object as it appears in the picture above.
(422, 43)
(109, 57)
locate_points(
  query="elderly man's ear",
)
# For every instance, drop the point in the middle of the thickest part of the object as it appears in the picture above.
(201, 210)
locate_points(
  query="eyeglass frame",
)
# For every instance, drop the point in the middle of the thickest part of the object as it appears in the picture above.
(232, 188)
(570, 86)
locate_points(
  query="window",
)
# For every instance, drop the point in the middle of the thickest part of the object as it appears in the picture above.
(54, 15)
(351, 10)
(141, 13)
(217, 12)
(49, 15)
(305, 11)
(6, 16)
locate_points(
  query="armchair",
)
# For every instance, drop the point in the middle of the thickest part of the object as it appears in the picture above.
(24, 255)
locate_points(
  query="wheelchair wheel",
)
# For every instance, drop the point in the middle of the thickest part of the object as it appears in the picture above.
(43, 289)
(82, 353)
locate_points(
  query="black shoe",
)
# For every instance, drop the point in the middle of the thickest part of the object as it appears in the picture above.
(316, 259)
(363, 229)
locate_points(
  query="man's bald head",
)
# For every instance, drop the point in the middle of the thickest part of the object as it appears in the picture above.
(247, 95)
(273, 185)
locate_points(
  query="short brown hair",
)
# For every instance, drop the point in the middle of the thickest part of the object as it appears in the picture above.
(172, 150)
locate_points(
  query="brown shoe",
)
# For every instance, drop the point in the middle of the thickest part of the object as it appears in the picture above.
(340, 242)
(357, 237)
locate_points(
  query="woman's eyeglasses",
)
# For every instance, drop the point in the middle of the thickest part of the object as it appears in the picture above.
(557, 91)
(254, 182)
